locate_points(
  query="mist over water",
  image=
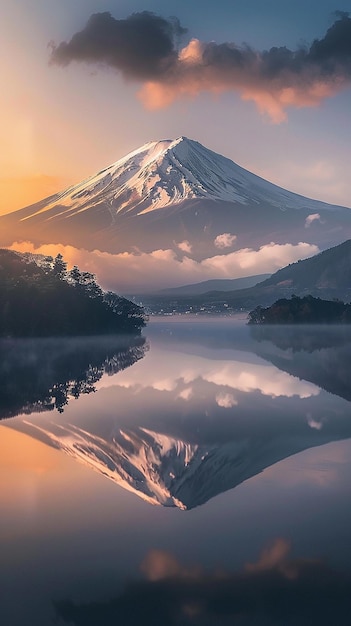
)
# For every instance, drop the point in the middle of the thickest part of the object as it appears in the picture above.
(198, 476)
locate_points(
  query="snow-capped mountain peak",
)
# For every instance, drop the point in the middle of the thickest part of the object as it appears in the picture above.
(169, 192)
(156, 175)
(163, 173)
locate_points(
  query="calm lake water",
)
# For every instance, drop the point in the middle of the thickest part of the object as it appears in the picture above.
(198, 476)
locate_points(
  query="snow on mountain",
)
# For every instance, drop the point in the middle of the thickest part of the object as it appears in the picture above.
(180, 196)
(169, 471)
(146, 463)
(167, 172)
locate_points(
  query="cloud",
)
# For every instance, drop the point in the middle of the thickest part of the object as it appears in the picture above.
(274, 79)
(139, 272)
(247, 261)
(143, 47)
(312, 218)
(225, 240)
(185, 246)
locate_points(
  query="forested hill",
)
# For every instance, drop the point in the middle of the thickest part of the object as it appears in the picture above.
(45, 299)
(307, 310)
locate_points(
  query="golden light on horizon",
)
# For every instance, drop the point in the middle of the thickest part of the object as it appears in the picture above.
(19, 192)
(31, 455)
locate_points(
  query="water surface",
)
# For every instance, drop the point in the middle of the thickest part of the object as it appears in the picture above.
(200, 475)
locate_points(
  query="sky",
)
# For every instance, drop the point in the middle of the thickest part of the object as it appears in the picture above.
(251, 80)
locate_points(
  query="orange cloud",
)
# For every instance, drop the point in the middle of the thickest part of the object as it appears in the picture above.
(143, 47)
(272, 94)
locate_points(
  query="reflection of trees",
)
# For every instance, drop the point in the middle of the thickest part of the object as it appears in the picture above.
(41, 375)
(308, 338)
(275, 590)
(320, 354)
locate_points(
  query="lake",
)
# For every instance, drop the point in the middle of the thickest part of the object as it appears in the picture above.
(199, 475)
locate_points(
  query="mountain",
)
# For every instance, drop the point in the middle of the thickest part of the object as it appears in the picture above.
(179, 195)
(223, 284)
(326, 275)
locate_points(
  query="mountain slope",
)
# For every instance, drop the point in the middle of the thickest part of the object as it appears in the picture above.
(163, 173)
(326, 275)
(223, 284)
(168, 192)
(330, 269)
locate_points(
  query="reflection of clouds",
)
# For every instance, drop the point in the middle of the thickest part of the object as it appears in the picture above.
(164, 372)
(275, 557)
(160, 565)
(186, 393)
(268, 380)
(165, 384)
(314, 423)
(275, 589)
(226, 400)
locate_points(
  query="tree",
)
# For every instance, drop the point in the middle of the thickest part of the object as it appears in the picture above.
(59, 269)
(257, 315)
(75, 276)
(36, 303)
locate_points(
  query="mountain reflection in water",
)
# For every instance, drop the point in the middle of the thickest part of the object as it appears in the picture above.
(206, 409)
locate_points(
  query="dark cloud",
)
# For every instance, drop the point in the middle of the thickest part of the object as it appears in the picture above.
(331, 54)
(334, 50)
(141, 46)
(274, 79)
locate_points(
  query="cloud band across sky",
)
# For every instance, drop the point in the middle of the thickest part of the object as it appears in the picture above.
(131, 272)
(144, 47)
